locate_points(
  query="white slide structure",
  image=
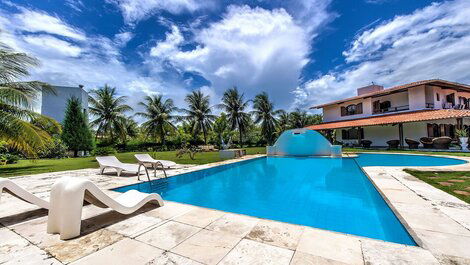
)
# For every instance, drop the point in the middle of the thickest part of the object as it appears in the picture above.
(113, 162)
(68, 195)
(10, 187)
(146, 159)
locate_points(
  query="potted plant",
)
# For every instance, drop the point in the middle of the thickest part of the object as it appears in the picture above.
(463, 137)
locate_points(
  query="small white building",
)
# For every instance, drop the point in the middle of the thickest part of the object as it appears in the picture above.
(429, 108)
(55, 104)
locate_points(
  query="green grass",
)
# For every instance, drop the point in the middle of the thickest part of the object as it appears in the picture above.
(350, 149)
(27, 167)
(434, 178)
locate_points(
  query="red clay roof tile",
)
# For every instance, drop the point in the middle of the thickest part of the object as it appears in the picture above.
(404, 117)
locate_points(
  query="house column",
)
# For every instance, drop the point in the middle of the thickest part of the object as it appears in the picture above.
(459, 123)
(400, 135)
(359, 136)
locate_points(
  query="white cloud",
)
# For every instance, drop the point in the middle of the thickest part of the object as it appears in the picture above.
(123, 38)
(432, 42)
(253, 48)
(170, 45)
(136, 10)
(53, 45)
(34, 21)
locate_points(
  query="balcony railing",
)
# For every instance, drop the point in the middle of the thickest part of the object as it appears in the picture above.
(391, 109)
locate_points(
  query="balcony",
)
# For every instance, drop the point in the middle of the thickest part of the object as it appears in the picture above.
(391, 109)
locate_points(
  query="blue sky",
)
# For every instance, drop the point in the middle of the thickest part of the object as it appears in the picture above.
(301, 52)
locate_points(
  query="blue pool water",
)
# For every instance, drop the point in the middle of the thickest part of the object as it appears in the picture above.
(327, 193)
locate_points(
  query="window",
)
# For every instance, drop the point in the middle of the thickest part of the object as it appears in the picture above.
(351, 134)
(438, 97)
(352, 109)
(450, 98)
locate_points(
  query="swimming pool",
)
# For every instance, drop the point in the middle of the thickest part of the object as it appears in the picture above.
(327, 193)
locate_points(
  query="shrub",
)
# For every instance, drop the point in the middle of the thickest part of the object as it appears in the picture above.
(9, 159)
(104, 151)
(56, 148)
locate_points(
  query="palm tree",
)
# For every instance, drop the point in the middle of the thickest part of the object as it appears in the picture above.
(199, 113)
(15, 104)
(299, 119)
(109, 110)
(234, 104)
(158, 113)
(283, 121)
(266, 115)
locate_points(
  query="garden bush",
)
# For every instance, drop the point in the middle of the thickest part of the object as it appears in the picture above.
(9, 159)
(104, 151)
(56, 148)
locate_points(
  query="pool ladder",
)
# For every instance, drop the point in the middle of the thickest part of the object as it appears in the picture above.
(155, 166)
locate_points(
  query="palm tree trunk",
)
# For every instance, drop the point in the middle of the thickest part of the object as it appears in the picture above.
(240, 135)
(205, 134)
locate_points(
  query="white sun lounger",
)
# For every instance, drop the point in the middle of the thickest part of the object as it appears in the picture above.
(20, 193)
(68, 195)
(113, 162)
(146, 159)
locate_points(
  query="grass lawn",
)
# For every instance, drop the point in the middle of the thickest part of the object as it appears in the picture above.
(27, 167)
(455, 183)
(423, 152)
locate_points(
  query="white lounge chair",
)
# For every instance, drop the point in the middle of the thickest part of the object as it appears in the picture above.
(68, 195)
(20, 193)
(146, 159)
(113, 162)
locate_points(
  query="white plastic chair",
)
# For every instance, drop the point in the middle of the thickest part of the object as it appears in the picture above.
(113, 162)
(68, 195)
(20, 193)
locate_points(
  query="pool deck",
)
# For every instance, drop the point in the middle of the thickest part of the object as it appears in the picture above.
(184, 234)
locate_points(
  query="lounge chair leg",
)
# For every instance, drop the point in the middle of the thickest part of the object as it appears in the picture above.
(101, 170)
(119, 172)
(65, 213)
(138, 172)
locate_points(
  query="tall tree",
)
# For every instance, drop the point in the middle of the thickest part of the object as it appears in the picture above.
(199, 113)
(220, 128)
(234, 104)
(266, 115)
(76, 133)
(15, 103)
(159, 116)
(299, 119)
(109, 110)
(283, 121)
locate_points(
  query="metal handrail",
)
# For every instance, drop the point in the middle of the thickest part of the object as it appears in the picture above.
(154, 165)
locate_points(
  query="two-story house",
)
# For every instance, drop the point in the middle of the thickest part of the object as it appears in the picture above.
(429, 108)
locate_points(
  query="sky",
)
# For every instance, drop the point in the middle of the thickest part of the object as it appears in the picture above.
(301, 52)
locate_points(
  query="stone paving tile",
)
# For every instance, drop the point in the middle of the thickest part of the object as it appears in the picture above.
(330, 245)
(125, 252)
(252, 252)
(200, 217)
(378, 252)
(435, 219)
(444, 243)
(403, 196)
(234, 224)
(461, 215)
(36, 232)
(206, 246)
(170, 210)
(71, 250)
(301, 258)
(168, 235)
(276, 234)
(168, 258)
(134, 225)
(14, 249)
